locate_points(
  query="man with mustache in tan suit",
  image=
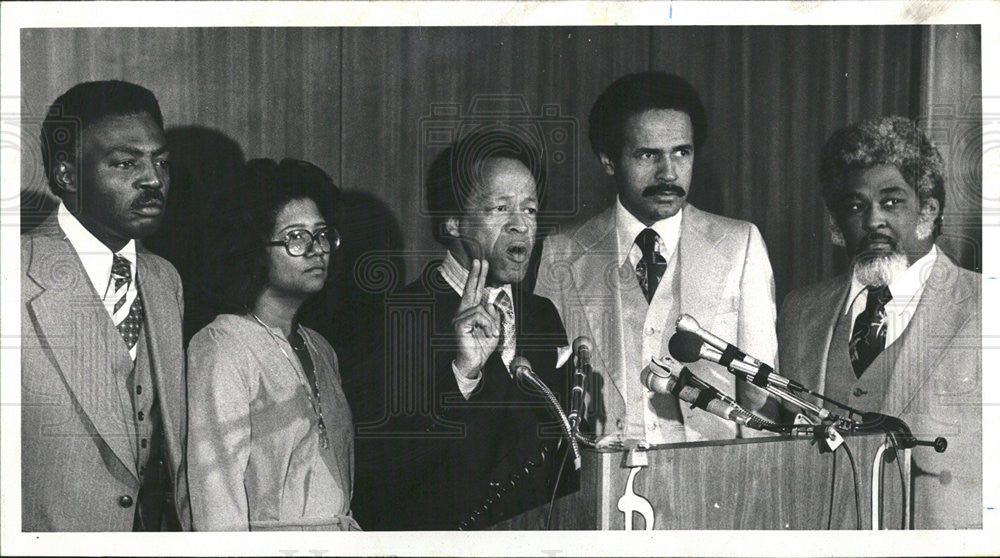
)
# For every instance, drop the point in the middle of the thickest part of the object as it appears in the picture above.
(102, 377)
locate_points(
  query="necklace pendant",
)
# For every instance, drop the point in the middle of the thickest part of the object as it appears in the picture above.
(324, 441)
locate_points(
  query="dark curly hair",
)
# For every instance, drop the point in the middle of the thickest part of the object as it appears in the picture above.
(635, 93)
(455, 173)
(892, 140)
(264, 189)
(83, 105)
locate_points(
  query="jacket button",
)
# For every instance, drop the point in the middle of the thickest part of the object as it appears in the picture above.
(619, 424)
(125, 501)
(858, 392)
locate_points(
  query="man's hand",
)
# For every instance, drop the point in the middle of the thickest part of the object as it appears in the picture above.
(476, 324)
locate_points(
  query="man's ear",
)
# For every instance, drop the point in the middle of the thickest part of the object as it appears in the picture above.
(451, 227)
(607, 164)
(927, 222)
(930, 208)
(65, 177)
(836, 236)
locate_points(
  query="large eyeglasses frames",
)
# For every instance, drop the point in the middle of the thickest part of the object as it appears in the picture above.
(300, 241)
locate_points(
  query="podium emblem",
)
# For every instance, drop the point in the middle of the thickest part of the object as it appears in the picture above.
(630, 503)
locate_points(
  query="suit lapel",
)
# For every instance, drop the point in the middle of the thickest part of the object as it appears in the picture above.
(72, 321)
(596, 276)
(938, 318)
(702, 273)
(829, 303)
(163, 341)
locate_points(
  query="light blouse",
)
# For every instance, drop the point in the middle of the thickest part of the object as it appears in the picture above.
(255, 459)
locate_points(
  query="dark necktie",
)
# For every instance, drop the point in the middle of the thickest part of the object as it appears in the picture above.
(868, 336)
(650, 268)
(128, 323)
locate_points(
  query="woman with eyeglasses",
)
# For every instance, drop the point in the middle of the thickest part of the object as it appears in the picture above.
(270, 437)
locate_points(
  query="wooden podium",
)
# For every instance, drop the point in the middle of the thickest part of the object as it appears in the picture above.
(760, 483)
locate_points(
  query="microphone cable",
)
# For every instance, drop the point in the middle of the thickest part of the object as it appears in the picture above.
(902, 479)
(857, 489)
(833, 486)
(555, 490)
(555, 408)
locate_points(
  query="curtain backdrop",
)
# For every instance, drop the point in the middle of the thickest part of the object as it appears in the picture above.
(372, 106)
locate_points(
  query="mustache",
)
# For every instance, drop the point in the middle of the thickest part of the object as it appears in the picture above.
(147, 197)
(658, 189)
(878, 237)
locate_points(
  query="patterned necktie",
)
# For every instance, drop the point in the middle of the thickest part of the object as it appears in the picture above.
(868, 337)
(650, 268)
(508, 337)
(128, 322)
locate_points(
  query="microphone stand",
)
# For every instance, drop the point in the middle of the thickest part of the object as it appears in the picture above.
(523, 372)
(828, 429)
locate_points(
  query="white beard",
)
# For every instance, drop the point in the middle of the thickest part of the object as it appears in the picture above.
(879, 271)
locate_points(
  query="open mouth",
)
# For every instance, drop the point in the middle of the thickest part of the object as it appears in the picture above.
(517, 252)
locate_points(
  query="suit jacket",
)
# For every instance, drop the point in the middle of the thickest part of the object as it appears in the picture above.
(934, 385)
(78, 459)
(436, 460)
(725, 283)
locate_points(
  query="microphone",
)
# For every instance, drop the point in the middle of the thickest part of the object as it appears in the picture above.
(524, 373)
(659, 377)
(687, 323)
(687, 346)
(581, 370)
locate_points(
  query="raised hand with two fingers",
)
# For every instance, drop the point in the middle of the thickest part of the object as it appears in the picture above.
(476, 324)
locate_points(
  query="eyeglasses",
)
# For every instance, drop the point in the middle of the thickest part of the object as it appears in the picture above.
(299, 242)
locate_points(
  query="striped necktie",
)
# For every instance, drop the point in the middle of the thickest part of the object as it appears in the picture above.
(650, 268)
(868, 336)
(508, 336)
(128, 321)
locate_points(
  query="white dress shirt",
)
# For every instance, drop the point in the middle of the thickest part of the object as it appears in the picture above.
(628, 227)
(97, 260)
(906, 290)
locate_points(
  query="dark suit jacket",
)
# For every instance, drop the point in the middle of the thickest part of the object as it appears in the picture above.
(432, 458)
(935, 385)
(77, 457)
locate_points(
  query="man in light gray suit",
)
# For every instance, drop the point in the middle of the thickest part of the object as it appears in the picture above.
(900, 334)
(623, 277)
(102, 380)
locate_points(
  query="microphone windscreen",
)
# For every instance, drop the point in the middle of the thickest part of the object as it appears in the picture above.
(685, 346)
(644, 377)
(582, 342)
(518, 362)
(687, 323)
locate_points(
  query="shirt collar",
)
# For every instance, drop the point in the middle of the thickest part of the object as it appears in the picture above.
(628, 227)
(905, 286)
(456, 276)
(94, 255)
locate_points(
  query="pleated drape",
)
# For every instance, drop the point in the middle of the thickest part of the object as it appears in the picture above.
(373, 105)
